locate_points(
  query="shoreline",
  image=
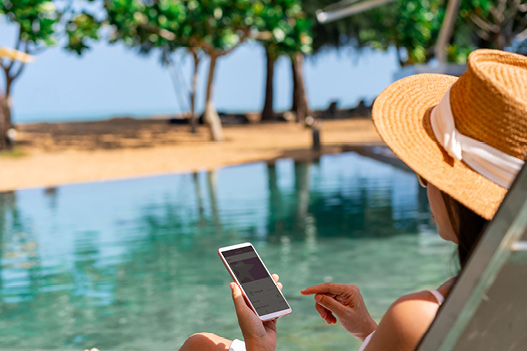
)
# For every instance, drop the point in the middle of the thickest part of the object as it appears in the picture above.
(307, 157)
(68, 153)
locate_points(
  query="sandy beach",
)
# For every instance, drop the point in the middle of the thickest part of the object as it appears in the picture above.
(64, 153)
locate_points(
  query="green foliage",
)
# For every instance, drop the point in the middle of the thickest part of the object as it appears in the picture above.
(406, 24)
(418, 28)
(290, 29)
(214, 26)
(37, 20)
(81, 28)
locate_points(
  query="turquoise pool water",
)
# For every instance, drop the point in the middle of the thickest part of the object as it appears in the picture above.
(132, 265)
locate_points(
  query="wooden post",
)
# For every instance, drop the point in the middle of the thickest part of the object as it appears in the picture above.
(316, 139)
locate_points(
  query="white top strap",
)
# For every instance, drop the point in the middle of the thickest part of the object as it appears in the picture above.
(493, 164)
(237, 345)
(439, 297)
(366, 341)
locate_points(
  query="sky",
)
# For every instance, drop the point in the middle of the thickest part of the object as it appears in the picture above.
(112, 80)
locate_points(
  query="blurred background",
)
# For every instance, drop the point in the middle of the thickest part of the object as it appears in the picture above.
(137, 137)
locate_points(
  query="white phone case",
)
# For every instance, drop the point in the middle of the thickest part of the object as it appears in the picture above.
(266, 317)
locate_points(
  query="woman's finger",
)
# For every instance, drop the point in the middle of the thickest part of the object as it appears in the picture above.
(276, 278)
(321, 311)
(325, 314)
(326, 288)
(330, 304)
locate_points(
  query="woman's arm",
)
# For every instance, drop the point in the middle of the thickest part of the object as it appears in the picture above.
(400, 329)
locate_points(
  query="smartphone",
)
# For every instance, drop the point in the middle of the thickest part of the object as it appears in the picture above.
(260, 290)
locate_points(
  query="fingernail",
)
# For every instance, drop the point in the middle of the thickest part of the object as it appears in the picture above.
(318, 298)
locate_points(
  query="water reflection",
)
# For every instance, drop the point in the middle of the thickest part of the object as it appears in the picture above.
(132, 265)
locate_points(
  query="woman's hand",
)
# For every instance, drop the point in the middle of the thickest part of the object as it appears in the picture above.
(258, 335)
(346, 303)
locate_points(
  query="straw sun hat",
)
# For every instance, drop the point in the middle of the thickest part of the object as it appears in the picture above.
(466, 135)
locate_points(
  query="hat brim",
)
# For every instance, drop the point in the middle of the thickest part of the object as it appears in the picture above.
(401, 114)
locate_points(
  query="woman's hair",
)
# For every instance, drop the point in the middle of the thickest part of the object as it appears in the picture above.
(467, 225)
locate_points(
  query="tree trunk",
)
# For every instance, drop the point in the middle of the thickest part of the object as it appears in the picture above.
(4, 124)
(447, 27)
(211, 115)
(7, 102)
(268, 112)
(5, 112)
(193, 116)
(299, 91)
(398, 54)
(7, 107)
(294, 105)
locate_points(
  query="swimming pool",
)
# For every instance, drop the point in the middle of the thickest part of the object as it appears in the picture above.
(132, 264)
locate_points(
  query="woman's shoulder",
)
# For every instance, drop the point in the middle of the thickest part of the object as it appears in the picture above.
(405, 322)
(417, 298)
(416, 309)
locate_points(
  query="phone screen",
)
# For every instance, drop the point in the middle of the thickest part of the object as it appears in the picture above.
(255, 281)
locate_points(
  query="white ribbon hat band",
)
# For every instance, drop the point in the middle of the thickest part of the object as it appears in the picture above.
(491, 163)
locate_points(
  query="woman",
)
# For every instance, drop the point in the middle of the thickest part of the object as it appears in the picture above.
(466, 138)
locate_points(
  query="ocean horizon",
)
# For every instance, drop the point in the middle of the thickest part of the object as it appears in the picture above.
(93, 116)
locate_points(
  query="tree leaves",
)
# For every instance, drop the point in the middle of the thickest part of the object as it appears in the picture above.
(214, 26)
(80, 28)
(37, 20)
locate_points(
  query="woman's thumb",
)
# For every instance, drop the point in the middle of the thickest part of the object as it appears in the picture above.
(237, 297)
